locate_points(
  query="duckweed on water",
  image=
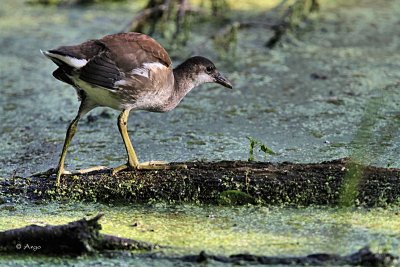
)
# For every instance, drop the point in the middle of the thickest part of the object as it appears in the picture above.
(306, 126)
(228, 230)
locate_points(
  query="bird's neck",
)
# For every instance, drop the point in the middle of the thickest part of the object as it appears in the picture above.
(184, 80)
(183, 83)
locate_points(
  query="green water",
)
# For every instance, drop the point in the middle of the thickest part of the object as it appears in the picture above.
(189, 229)
(275, 99)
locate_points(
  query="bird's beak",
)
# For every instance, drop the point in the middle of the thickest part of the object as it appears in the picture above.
(222, 80)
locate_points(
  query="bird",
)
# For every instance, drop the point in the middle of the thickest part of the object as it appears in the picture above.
(126, 72)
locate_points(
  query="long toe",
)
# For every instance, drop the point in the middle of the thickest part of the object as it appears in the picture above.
(49, 172)
(123, 167)
(89, 170)
(149, 165)
(160, 165)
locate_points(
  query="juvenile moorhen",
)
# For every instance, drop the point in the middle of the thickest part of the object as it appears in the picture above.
(127, 71)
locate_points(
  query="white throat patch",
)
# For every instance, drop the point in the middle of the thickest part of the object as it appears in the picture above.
(203, 78)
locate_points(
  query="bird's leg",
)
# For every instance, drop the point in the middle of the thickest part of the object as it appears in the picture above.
(133, 162)
(84, 108)
(68, 137)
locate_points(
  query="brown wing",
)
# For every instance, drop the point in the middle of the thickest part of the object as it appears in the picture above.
(113, 56)
(121, 54)
(131, 50)
(101, 70)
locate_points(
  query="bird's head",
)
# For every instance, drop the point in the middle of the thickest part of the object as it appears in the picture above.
(202, 70)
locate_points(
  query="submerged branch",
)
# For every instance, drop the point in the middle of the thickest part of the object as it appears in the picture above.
(75, 238)
(363, 257)
(142, 18)
(154, 12)
(291, 18)
(225, 38)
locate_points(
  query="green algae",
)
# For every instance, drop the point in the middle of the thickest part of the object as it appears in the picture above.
(235, 197)
(227, 230)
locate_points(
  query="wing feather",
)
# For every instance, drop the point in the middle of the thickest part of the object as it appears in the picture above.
(112, 59)
(101, 71)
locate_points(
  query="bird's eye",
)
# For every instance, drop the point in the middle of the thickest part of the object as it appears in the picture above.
(209, 69)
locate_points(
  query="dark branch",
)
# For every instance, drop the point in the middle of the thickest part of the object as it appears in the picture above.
(75, 238)
(363, 257)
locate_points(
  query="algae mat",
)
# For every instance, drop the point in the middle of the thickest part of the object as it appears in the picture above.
(305, 99)
(219, 230)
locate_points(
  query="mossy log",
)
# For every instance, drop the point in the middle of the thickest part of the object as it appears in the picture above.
(75, 238)
(225, 182)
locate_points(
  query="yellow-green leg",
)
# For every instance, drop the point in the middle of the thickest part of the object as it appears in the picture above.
(72, 128)
(84, 108)
(133, 162)
(68, 137)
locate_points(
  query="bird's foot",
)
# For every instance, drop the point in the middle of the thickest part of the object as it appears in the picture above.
(149, 165)
(53, 171)
(49, 172)
(160, 165)
(88, 170)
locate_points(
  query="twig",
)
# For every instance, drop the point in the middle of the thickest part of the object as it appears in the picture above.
(139, 21)
(180, 16)
(154, 13)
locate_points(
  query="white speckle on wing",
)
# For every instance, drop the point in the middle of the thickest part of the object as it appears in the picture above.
(141, 72)
(154, 66)
(147, 68)
(121, 82)
(71, 61)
